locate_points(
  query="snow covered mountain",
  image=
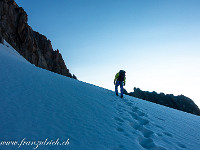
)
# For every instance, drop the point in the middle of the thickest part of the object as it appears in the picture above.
(44, 110)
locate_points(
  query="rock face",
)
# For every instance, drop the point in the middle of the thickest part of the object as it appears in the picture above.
(179, 102)
(35, 47)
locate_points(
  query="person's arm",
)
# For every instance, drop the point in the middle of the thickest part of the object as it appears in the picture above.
(124, 81)
(116, 77)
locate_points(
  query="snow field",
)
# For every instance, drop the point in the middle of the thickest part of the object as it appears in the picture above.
(37, 104)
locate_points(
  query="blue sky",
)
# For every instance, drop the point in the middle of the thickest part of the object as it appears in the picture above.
(155, 41)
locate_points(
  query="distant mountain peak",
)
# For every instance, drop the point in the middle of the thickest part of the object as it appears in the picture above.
(33, 46)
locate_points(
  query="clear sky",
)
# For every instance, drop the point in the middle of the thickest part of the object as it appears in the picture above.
(157, 42)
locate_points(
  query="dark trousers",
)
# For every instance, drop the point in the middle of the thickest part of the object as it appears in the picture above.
(121, 87)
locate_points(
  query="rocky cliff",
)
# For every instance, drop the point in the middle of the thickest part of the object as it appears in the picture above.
(36, 48)
(179, 102)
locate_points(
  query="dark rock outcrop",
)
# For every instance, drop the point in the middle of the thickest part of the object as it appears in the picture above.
(33, 46)
(179, 102)
(1, 40)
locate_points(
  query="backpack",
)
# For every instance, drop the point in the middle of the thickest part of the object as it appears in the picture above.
(121, 75)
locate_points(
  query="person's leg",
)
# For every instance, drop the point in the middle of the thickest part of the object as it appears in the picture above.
(116, 87)
(121, 88)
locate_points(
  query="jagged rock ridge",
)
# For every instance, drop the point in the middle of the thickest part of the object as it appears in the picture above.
(33, 46)
(179, 102)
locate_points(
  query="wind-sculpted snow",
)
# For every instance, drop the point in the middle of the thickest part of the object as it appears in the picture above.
(37, 105)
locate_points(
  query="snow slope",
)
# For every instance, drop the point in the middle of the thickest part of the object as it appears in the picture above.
(37, 105)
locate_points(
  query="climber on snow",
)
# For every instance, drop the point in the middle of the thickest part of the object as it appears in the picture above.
(120, 79)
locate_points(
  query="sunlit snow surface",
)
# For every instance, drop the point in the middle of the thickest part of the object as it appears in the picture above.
(36, 104)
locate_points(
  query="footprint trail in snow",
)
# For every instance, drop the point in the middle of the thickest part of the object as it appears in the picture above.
(139, 122)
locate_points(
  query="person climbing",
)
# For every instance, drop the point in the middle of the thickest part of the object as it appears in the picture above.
(120, 79)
